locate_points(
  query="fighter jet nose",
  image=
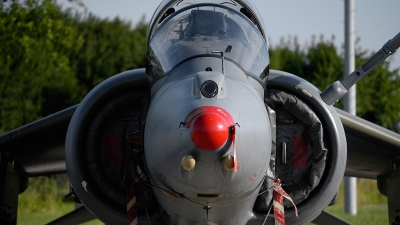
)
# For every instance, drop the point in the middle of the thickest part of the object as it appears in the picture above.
(209, 127)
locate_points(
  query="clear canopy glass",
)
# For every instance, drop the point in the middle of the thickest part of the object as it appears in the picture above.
(199, 30)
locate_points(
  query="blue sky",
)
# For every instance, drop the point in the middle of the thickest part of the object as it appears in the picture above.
(375, 21)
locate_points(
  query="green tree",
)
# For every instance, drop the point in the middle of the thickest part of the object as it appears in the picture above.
(324, 65)
(378, 94)
(34, 59)
(51, 58)
(288, 56)
(110, 47)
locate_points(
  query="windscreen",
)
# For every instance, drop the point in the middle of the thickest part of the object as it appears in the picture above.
(198, 31)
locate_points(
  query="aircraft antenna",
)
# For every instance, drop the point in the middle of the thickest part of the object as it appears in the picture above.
(227, 50)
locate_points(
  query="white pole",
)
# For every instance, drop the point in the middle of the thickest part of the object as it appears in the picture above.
(350, 183)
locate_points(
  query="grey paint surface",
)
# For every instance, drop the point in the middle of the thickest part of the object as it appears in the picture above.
(371, 148)
(166, 142)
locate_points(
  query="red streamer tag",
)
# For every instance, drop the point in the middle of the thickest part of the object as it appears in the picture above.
(279, 190)
(235, 162)
(131, 206)
(279, 209)
(300, 152)
(112, 151)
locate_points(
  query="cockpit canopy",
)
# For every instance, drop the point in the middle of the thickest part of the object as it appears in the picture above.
(199, 29)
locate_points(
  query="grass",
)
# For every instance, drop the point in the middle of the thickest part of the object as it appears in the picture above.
(44, 202)
(40, 218)
(367, 214)
(371, 205)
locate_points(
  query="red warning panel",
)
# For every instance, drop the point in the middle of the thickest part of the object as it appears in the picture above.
(112, 151)
(300, 152)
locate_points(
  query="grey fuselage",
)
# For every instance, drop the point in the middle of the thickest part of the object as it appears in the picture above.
(230, 195)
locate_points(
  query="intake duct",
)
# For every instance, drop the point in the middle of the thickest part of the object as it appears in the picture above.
(309, 152)
(101, 163)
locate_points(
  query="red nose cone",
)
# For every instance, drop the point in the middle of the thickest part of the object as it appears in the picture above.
(209, 130)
